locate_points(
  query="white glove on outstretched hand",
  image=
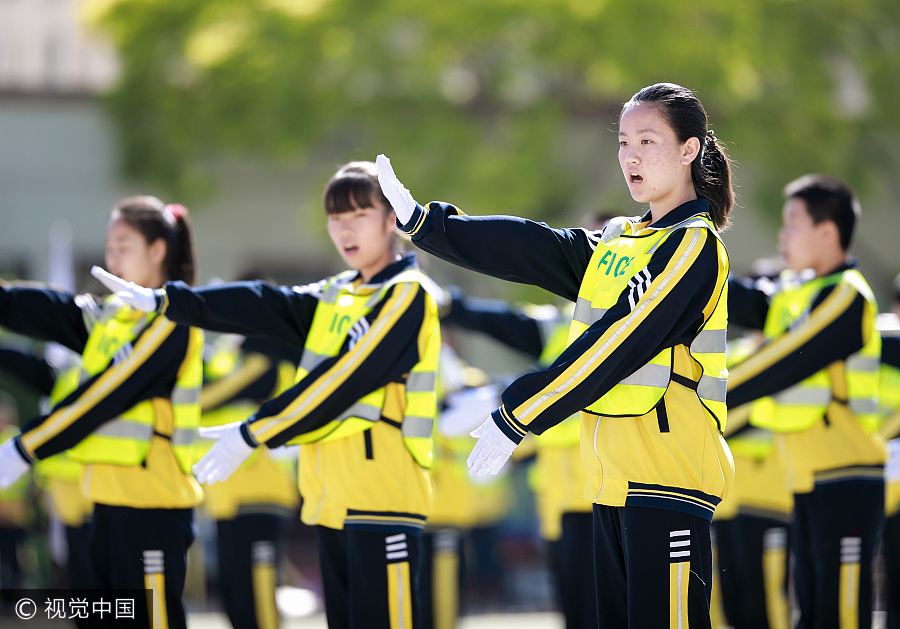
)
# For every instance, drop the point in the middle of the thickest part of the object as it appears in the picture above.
(491, 452)
(225, 457)
(137, 297)
(12, 465)
(400, 198)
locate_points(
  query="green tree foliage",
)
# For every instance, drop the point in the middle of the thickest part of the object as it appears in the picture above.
(487, 102)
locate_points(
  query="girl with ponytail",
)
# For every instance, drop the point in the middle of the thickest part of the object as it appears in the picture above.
(131, 416)
(645, 357)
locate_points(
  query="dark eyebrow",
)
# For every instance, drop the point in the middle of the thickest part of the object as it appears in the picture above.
(642, 131)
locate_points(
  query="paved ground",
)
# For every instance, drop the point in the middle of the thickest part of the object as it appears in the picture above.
(546, 620)
(212, 620)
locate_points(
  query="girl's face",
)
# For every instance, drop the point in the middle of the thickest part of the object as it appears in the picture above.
(656, 166)
(129, 256)
(364, 238)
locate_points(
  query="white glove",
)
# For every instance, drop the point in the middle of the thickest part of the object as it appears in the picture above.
(400, 198)
(491, 452)
(892, 469)
(466, 408)
(137, 297)
(614, 228)
(225, 457)
(12, 465)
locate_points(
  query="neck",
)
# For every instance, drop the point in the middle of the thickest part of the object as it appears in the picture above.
(367, 274)
(156, 280)
(658, 209)
(830, 264)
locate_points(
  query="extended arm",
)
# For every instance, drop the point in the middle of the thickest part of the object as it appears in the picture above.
(43, 313)
(832, 331)
(148, 371)
(506, 247)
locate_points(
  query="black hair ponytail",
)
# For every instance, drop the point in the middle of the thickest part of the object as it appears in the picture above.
(711, 170)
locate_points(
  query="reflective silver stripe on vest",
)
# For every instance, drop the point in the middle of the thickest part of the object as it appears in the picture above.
(183, 436)
(802, 396)
(374, 299)
(185, 395)
(332, 292)
(362, 411)
(691, 222)
(711, 388)
(863, 406)
(420, 381)
(858, 362)
(122, 429)
(311, 359)
(709, 342)
(417, 426)
(650, 375)
(585, 313)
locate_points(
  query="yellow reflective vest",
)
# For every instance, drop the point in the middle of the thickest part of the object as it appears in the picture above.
(126, 440)
(798, 407)
(336, 313)
(612, 267)
(628, 460)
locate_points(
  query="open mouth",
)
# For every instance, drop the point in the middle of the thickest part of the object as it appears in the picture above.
(351, 249)
(635, 178)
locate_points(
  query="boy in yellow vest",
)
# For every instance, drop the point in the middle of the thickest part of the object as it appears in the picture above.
(815, 384)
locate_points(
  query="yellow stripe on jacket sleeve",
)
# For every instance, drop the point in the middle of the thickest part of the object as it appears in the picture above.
(826, 313)
(111, 379)
(220, 391)
(318, 391)
(688, 251)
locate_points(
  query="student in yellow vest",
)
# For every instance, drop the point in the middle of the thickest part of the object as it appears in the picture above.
(751, 525)
(889, 410)
(815, 384)
(133, 419)
(363, 405)
(645, 359)
(58, 476)
(252, 508)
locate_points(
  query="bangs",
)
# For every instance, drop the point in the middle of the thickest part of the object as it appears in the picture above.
(348, 193)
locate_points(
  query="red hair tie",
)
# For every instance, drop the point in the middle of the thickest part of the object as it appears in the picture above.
(177, 210)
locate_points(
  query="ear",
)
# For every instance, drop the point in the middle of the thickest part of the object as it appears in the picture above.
(828, 232)
(691, 151)
(157, 251)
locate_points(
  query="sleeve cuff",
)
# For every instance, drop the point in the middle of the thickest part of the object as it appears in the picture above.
(415, 222)
(508, 424)
(162, 300)
(248, 436)
(20, 448)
